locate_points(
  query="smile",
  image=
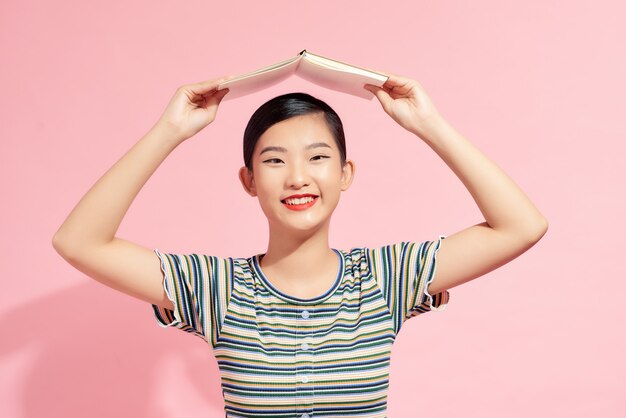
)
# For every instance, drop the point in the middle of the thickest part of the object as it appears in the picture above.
(299, 202)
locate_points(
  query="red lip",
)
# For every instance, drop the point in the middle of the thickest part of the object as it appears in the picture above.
(303, 206)
(296, 196)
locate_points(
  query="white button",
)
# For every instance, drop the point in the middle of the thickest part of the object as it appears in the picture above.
(305, 346)
(305, 314)
(304, 416)
(305, 379)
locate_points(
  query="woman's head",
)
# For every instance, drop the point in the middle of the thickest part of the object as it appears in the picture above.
(285, 107)
(295, 161)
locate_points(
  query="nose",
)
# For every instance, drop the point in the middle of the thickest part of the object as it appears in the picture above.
(297, 177)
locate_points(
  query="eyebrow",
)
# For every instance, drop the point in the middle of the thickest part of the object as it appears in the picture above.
(282, 149)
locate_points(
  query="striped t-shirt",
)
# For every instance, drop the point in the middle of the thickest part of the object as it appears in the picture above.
(282, 356)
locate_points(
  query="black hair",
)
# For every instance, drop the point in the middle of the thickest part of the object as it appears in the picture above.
(284, 107)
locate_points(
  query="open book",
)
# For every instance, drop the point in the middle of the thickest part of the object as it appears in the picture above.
(320, 70)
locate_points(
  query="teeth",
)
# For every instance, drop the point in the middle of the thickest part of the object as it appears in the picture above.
(299, 201)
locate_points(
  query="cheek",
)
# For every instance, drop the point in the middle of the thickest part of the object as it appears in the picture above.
(267, 186)
(330, 179)
(267, 199)
(333, 173)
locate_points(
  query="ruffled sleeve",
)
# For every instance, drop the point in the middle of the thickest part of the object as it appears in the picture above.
(426, 264)
(403, 272)
(199, 287)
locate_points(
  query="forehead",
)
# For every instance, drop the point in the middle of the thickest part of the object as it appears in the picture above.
(296, 132)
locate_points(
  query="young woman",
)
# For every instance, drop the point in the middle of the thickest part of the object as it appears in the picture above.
(303, 330)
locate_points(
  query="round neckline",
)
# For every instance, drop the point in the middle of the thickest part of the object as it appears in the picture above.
(256, 264)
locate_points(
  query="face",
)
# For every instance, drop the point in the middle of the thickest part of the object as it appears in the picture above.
(297, 174)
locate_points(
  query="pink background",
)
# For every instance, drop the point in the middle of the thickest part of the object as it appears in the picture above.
(538, 86)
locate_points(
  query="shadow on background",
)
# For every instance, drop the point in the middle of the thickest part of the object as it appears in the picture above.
(99, 353)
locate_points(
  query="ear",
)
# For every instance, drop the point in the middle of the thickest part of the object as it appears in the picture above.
(247, 180)
(347, 174)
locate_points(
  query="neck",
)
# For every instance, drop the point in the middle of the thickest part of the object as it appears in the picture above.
(300, 255)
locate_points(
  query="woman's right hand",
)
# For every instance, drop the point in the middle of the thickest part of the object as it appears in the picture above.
(192, 107)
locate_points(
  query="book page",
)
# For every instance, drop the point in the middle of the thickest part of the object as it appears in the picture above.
(347, 80)
(259, 79)
(342, 66)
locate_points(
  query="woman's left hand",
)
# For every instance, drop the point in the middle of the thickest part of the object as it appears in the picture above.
(406, 101)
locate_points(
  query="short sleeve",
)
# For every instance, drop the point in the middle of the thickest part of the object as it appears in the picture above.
(403, 272)
(199, 287)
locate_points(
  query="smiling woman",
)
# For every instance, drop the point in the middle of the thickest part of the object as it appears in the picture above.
(303, 329)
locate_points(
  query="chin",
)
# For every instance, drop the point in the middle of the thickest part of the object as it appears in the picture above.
(302, 229)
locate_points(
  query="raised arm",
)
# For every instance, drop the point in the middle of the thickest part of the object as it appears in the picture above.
(87, 239)
(512, 222)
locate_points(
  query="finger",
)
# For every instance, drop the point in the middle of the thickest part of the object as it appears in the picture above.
(402, 87)
(218, 96)
(395, 81)
(382, 96)
(207, 86)
(372, 88)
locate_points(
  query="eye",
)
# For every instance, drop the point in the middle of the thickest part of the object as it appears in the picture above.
(319, 157)
(273, 161)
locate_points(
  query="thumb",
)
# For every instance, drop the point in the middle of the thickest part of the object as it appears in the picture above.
(207, 86)
(218, 96)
